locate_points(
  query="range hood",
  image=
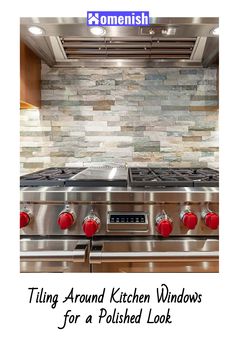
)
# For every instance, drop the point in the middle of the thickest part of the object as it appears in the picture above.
(167, 42)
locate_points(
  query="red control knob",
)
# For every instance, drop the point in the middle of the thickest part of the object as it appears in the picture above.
(24, 219)
(91, 226)
(190, 220)
(164, 227)
(65, 220)
(212, 220)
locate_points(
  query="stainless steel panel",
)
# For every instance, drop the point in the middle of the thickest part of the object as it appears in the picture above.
(118, 195)
(44, 217)
(155, 20)
(198, 49)
(191, 27)
(138, 255)
(58, 49)
(93, 173)
(46, 203)
(179, 255)
(41, 46)
(53, 255)
(162, 267)
(211, 52)
(82, 30)
(127, 63)
(161, 251)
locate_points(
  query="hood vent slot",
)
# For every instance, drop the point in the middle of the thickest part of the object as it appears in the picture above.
(128, 48)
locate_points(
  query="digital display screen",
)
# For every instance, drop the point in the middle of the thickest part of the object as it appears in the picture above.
(127, 218)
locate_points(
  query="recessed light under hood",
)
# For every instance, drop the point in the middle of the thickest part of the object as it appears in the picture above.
(170, 31)
(98, 31)
(36, 30)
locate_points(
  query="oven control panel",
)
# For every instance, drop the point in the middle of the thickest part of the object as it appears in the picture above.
(127, 221)
(127, 218)
(156, 219)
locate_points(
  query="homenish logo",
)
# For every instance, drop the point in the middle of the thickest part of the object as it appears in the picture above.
(117, 18)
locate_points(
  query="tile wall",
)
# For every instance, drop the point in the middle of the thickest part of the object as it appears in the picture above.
(143, 116)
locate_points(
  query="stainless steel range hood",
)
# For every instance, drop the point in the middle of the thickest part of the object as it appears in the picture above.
(167, 42)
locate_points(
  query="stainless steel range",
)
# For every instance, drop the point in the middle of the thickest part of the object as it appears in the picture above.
(120, 220)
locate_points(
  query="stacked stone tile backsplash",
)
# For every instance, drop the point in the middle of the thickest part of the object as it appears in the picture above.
(143, 116)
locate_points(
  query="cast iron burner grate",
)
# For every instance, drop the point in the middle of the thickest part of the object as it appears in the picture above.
(49, 177)
(173, 177)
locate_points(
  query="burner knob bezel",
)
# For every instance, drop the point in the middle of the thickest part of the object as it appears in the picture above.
(207, 216)
(94, 223)
(71, 218)
(185, 216)
(25, 213)
(159, 222)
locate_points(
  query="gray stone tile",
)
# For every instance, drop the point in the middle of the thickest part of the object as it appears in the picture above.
(160, 77)
(135, 115)
(174, 108)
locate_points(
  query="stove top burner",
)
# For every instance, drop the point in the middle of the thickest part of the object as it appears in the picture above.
(49, 177)
(173, 177)
(142, 177)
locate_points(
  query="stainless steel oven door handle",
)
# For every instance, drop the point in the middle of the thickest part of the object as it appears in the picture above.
(98, 256)
(76, 255)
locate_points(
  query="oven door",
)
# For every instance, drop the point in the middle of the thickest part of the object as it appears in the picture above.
(160, 255)
(53, 255)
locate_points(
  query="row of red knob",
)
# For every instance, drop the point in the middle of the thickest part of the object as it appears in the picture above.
(211, 220)
(164, 224)
(90, 224)
(66, 220)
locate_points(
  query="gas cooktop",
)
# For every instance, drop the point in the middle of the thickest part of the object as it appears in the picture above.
(148, 202)
(55, 176)
(77, 177)
(142, 177)
(173, 177)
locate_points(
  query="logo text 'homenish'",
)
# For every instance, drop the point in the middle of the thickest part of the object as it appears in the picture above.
(118, 18)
